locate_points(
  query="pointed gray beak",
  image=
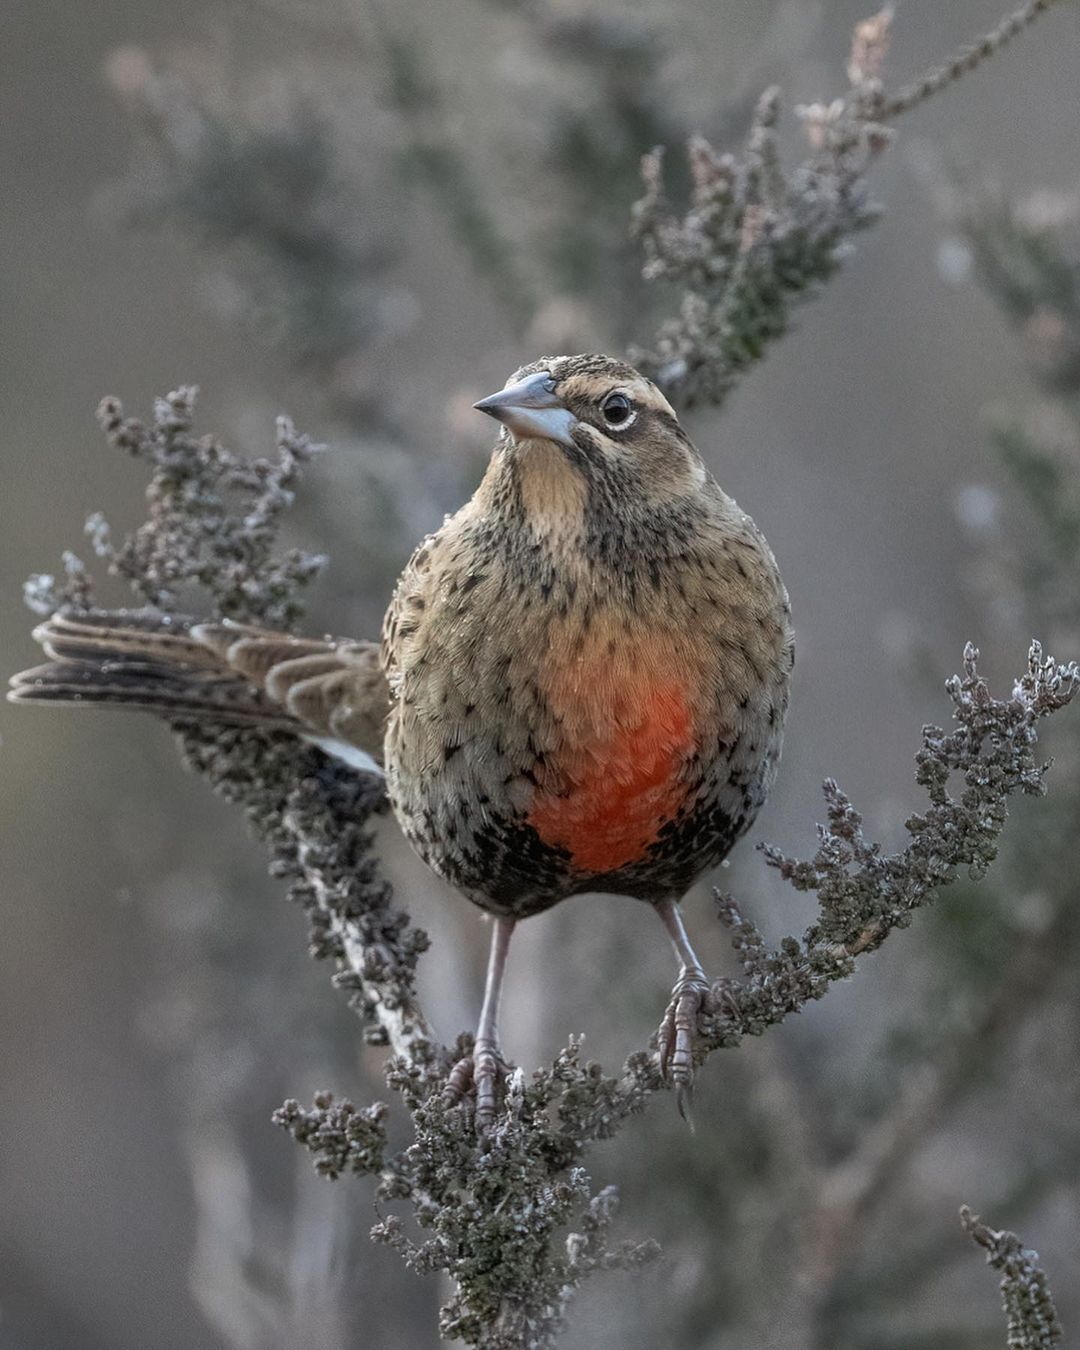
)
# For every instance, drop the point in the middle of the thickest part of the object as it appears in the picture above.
(530, 408)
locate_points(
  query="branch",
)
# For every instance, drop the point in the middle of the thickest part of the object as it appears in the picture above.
(313, 815)
(1033, 1322)
(863, 895)
(757, 238)
(209, 541)
(966, 59)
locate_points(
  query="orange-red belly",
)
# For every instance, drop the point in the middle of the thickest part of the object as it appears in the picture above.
(612, 791)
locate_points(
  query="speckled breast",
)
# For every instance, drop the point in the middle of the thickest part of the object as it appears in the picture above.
(597, 754)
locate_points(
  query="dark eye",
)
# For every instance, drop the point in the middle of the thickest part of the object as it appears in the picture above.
(617, 409)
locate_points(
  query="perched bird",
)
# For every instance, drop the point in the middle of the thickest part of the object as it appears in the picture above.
(581, 684)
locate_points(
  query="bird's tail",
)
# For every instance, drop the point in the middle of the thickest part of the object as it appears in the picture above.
(142, 660)
(331, 693)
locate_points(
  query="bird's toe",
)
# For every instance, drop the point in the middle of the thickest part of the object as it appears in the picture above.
(675, 1036)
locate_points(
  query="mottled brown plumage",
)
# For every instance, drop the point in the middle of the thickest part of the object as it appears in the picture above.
(582, 679)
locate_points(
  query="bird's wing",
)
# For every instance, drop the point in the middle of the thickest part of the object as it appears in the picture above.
(411, 600)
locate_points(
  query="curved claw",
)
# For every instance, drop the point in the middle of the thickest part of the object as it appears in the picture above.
(675, 1036)
(458, 1081)
(483, 1069)
(488, 1069)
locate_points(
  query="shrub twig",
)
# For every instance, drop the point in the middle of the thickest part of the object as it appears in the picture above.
(757, 237)
(1033, 1322)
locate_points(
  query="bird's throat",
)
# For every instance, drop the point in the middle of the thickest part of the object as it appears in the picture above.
(552, 492)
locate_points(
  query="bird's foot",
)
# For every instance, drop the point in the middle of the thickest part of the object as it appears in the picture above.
(675, 1037)
(479, 1074)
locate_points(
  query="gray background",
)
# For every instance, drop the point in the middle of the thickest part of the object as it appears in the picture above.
(850, 446)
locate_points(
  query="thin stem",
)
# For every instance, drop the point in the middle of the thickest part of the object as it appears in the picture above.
(966, 59)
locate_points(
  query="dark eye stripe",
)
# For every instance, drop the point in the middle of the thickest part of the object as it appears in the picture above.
(589, 455)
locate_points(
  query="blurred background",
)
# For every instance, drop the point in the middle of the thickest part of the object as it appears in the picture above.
(367, 215)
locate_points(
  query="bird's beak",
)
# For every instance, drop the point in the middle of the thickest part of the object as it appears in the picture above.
(531, 408)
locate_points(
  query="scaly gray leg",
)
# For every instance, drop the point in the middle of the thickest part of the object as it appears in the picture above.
(675, 1038)
(485, 1066)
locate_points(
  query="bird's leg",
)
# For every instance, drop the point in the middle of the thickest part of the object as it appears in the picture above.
(485, 1065)
(675, 1038)
(487, 1059)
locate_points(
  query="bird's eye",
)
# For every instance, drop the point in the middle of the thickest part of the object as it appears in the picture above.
(618, 411)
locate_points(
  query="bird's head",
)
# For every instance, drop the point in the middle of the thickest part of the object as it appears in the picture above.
(608, 421)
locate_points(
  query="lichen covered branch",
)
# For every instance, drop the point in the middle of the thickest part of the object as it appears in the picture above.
(758, 237)
(864, 894)
(313, 815)
(210, 544)
(1032, 1319)
(754, 240)
(212, 522)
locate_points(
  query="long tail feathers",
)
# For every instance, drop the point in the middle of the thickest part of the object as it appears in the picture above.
(333, 693)
(146, 688)
(140, 660)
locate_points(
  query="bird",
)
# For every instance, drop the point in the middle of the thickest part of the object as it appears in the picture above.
(580, 687)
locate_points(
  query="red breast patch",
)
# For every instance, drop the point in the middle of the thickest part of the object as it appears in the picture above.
(624, 781)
